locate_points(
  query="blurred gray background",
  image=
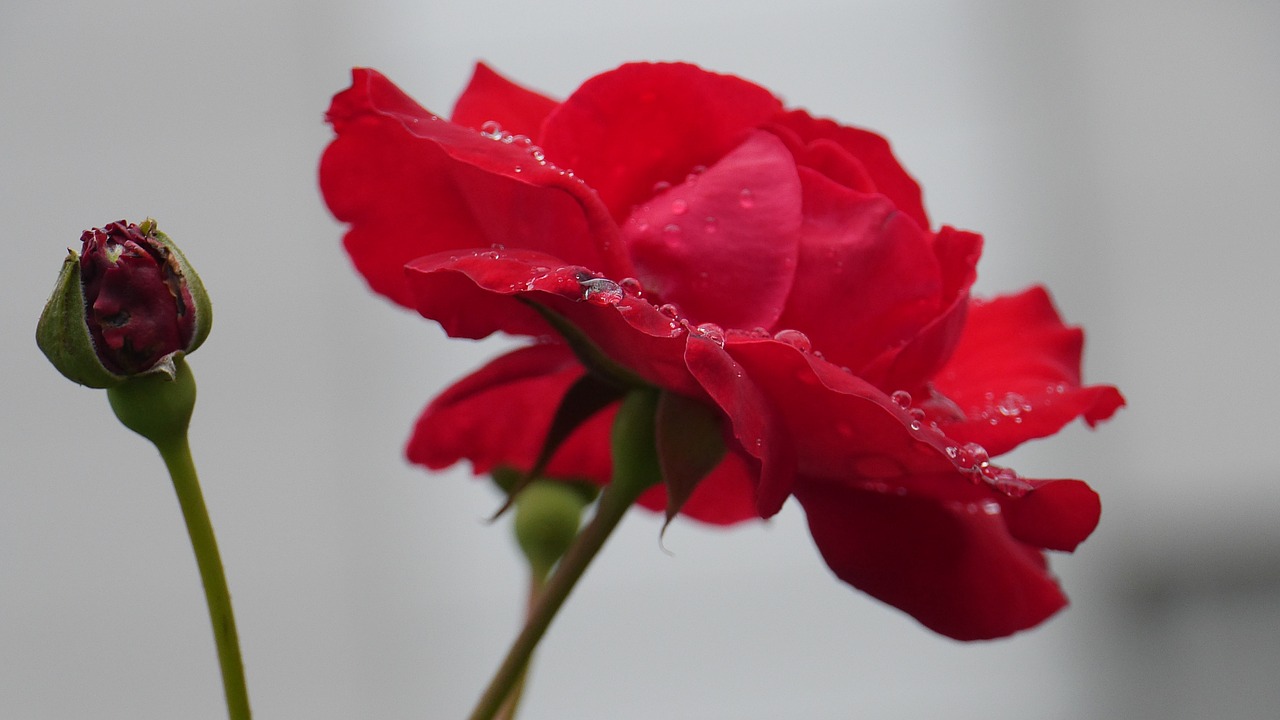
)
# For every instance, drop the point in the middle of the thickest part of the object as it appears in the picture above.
(1123, 152)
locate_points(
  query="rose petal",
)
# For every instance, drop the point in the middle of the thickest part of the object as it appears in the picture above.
(952, 566)
(500, 415)
(626, 130)
(412, 184)
(475, 294)
(871, 151)
(1016, 374)
(490, 97)
(722, 245)
(909, 365)
(867, 278)
(753, 419)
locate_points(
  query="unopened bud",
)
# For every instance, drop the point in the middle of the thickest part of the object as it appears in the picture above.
(127, 305)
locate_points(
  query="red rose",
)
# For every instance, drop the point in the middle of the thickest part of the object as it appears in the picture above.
(777, 267)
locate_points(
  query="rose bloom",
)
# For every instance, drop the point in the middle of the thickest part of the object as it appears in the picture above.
(776, 267)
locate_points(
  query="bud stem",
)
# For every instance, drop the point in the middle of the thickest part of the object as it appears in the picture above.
(159, 409)
(635, 469)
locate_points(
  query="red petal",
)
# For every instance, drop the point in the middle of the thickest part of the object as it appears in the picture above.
(628, 129)
(500, 414)
(490, 97)
(722, 246)
(754, 421)
(1057, 515)
(871, 151)
(475, 294)
(840, 425)
(908, 366)
(411, 184)
(954, 567)
(867, 279)
(1016, 374)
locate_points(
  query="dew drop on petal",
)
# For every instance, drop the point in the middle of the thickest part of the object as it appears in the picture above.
(746, 199)
(710, 225)
(669, 310)
(679, 207)
(795, 339)
(712, 332)
(917, 414)
(601, 291)
(632, 287)
(901, 398)
(661, 186)
(491, 128)
(519, 169)
(970, 456)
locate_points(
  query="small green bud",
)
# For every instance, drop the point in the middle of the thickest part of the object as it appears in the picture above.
(548, 515)
(128, 305)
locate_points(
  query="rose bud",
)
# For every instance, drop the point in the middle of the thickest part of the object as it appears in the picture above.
(129, 304)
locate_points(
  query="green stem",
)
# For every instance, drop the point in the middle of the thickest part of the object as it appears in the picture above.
(177, 458)
(537, 581)
(635, 469)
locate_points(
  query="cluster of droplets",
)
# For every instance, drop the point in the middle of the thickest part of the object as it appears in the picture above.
(1013, 407)
(970, 458)
(493, 130)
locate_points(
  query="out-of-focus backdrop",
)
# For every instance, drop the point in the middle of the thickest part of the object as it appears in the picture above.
(1123, 152)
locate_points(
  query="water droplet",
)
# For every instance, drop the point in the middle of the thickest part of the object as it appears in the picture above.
(491, 128)
(519, 169)
(746, 199)
(632, 287)
(795, 339)
(710, 225)
(969, 456)
(915, 425)
(917, 414)
(712, 332)
(498, 246)
(536, 153)
(679, 207)
(669, 310)
(661, 186)
(521, 140)
(1006, 481)
(671, 229)
(601, 291)
(901, 398)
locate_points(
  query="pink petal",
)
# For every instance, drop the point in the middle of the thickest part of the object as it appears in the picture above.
(722, 245)
(628, 129)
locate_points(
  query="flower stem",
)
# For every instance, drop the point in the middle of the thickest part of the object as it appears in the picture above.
(177, 458)
(635, 469)
(537, 582)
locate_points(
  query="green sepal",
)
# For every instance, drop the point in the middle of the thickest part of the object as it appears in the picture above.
(203, 307)
(63, 335)
(690, 444)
